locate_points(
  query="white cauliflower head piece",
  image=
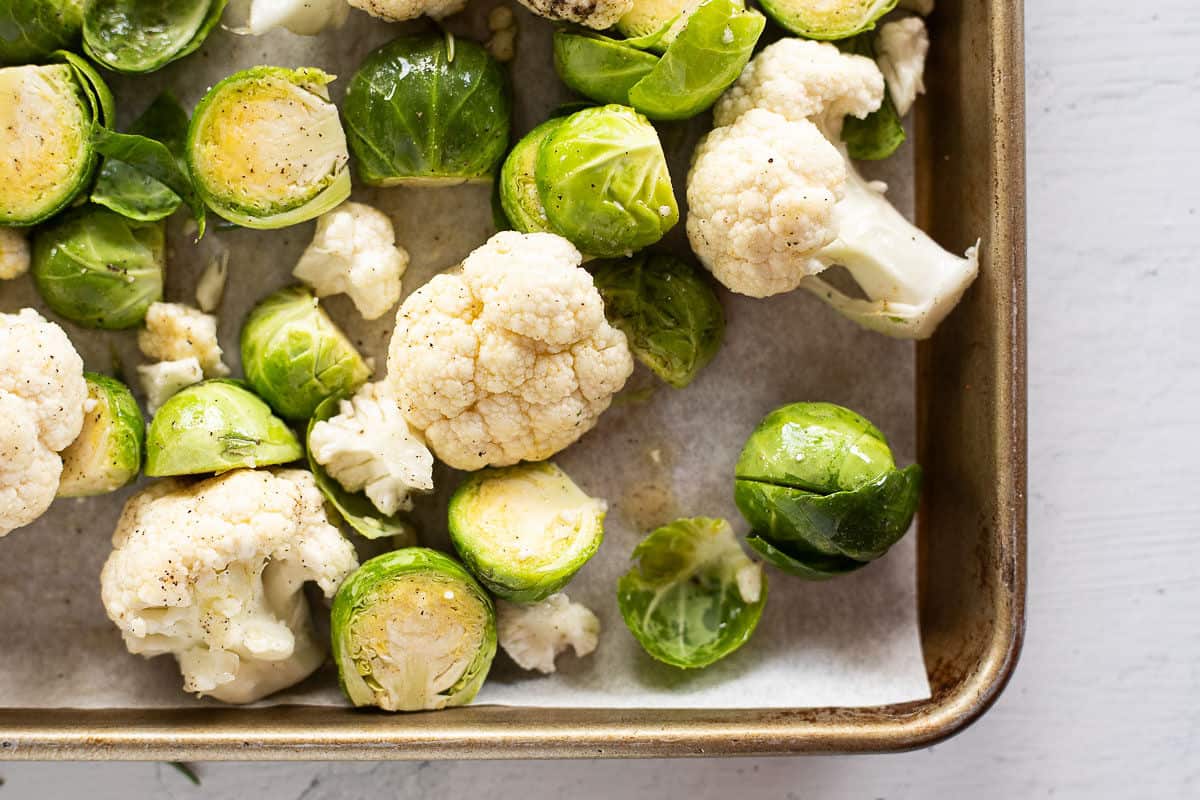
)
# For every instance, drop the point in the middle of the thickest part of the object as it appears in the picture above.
(596, 14)
(401, 10)
(163, 380)
(903, 46)
(14, 254)
(175, 331)
(212, 573)
(29, 471)
(510, 359)
(761, 196)
(800, 79)
(354, 252)
(369, 447)
(39, 365)
(303, 17)
(534, 635)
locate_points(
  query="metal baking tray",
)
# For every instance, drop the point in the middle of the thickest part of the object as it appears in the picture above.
(971, 424)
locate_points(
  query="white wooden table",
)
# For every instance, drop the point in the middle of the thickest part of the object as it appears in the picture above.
(1106, 698)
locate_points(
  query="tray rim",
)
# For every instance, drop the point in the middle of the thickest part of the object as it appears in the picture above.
(491, 732)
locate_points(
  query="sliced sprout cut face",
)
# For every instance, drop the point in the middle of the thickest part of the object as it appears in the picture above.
(526, 530)
(107, 454)
(47, 156)
(519, 197)
(139, 36)
(827, 19)
(267, 149)
(412, 631)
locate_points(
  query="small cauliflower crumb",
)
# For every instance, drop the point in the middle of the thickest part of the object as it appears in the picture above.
(596, 14)
(401, 10)
(212, 572)
(14, 254)
(354, 252)
(534, 635)
(210, 289)
(175, 331)
(164, 379)
(901, 51)
(369, 447)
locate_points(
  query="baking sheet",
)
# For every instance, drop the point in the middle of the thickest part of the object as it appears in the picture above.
(657, 454)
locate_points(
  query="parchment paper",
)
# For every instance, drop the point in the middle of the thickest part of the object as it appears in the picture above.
(657, 454)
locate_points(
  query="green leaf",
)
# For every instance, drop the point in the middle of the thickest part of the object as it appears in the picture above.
(877, 136)
(154, 159)
(131, 192)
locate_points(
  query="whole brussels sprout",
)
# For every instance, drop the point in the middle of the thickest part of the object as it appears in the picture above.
(524, 531)
(266, 148)
(427, 110)
(130, 191)
(107, 454)
(693, 596)
(601, 178)
(216, 426)
(139, 36)
(827, 19)
(48, 115)
(99, 269)
(412, 631)
(295, 357)
(699, 63)
(30, 30)
(668, 311)
(818, 484)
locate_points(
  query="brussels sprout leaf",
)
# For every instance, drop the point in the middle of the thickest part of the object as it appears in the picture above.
(128, 190)
(152, 158)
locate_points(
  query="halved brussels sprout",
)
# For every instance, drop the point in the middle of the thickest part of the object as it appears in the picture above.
(266, 148)
(693, 597)
(130, 191)
(517, 185)
(48, 115)
(427, 110)
(699, 63)
(294, 355)
(30, 30)
(412, 631)
(827, 19)
(139, 36)
(216, 426)
(668, 311)
(602, 178)
(99, 269)
(355, 507)
(662, 19)
(108, 452)
(821, 490)
(524, 531)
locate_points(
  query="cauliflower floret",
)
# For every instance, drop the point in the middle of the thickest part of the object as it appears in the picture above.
(164, 379)
(212, 573)
(510, 359)
(597, 14)
(901, 52)
(534, 635)
(369, 446)
(29, 471)
(14, 254)
(400, 10)
(39, 364)
(804, 80)
(354, 252)
(761, 194)
(175, 331)
(304, 17)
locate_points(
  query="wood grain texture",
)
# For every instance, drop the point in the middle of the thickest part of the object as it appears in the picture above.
(1104, 701)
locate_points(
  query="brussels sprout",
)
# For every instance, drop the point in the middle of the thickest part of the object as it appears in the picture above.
(412, 631)
(668, 311)
(30, 30)
(827, 19)
(144, 35)
(603, 181)
(48, 115)
(881, 132)
(130, 191)
(99, 269)
(216, 426)
(108, 452)
(517, 185)
(661, 19)
(427, 110)
(693, 597)
(294, 355)
(355, 507)
(524, 531)
(698, 65)
(266, 148)
(821, 490)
